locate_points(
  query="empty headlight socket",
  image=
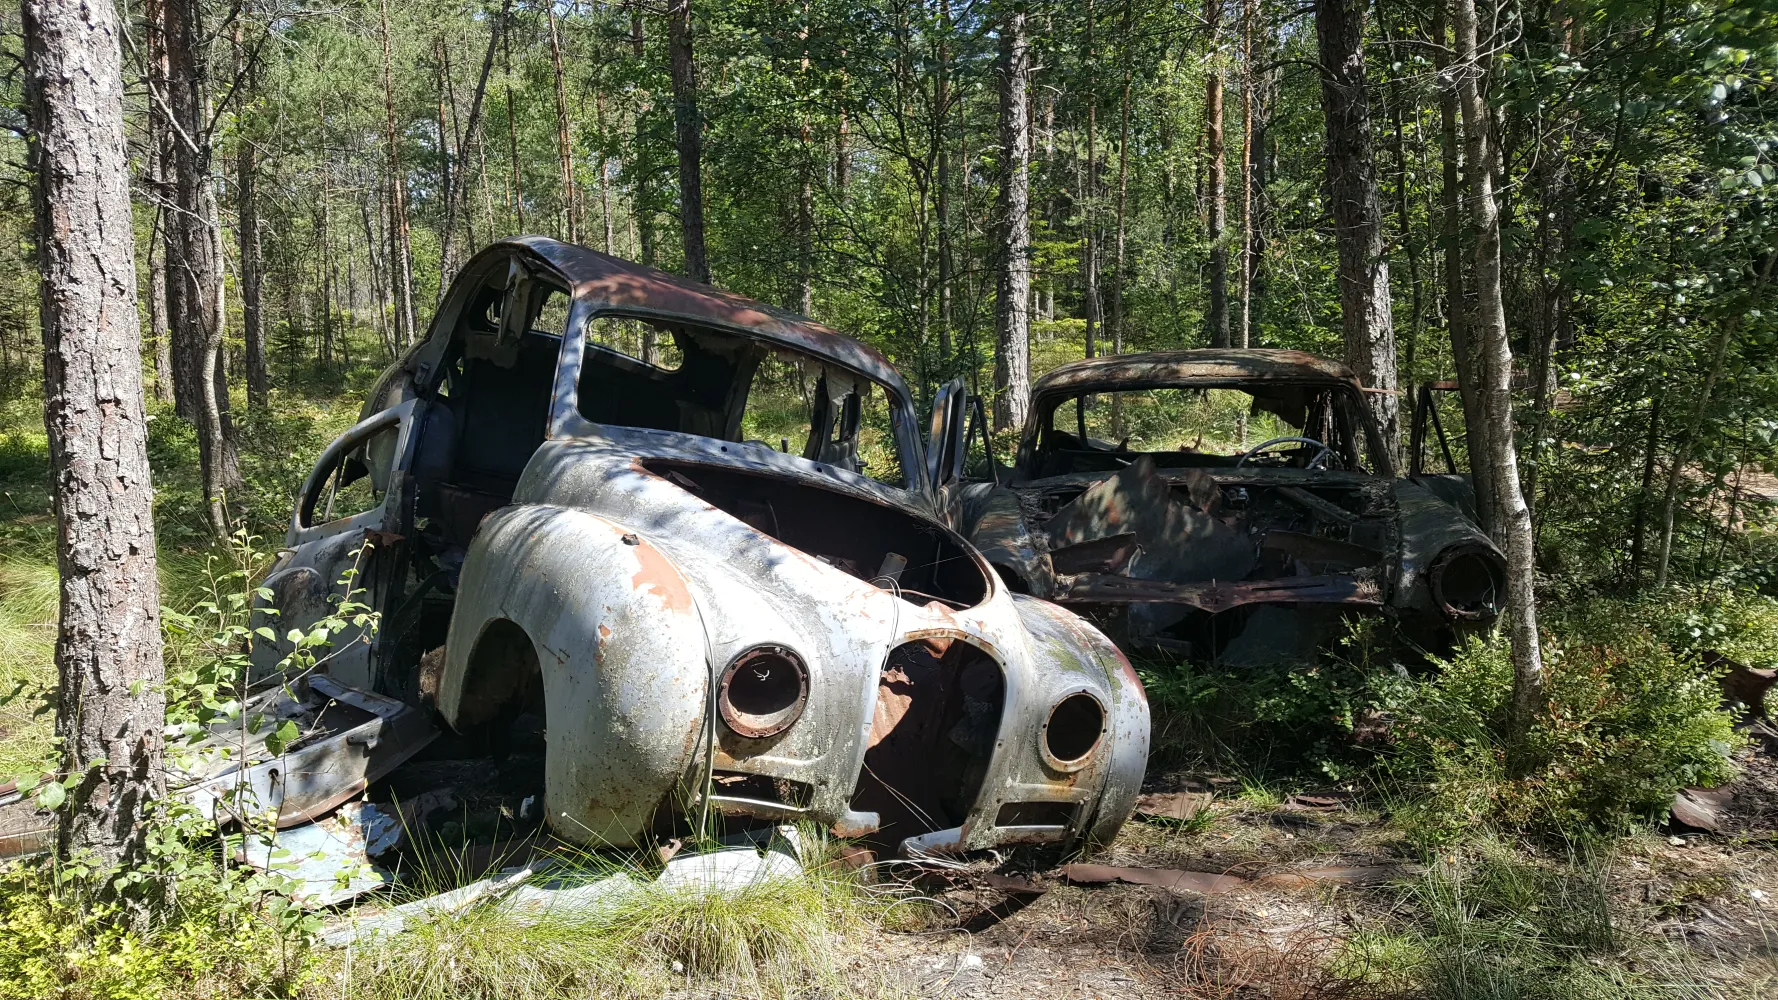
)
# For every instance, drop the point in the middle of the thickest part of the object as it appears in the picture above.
(1073, 730)
(763, 691)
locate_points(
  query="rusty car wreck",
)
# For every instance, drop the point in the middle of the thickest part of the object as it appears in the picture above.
(1229, 505)
(588, 525)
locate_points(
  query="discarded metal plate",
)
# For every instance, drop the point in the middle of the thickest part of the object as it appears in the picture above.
(347, 738)
(1166, 878)
(1173, 805)
(331, 858)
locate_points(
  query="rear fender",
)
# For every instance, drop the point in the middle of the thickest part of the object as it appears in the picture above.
(621, 654)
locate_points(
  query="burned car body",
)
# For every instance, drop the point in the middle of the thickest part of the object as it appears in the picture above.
(1247, 543)
(576, 501)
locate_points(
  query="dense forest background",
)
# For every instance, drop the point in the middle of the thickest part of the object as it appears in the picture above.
(851, 165)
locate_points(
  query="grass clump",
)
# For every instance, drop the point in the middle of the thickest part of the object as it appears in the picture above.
(1628, 721)
(1493, 923)
(777, 937)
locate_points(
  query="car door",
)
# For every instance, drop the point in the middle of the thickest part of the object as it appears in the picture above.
(945, 449)
(344, 542)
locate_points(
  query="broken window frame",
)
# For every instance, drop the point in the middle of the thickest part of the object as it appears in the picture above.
(566, 420)
(1348, 401)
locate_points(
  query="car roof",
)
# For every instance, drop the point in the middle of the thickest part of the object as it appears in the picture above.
(1209, 364)
(604, 280)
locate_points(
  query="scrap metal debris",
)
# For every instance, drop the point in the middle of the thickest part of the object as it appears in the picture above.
(330, 858)
(1743, 685)
(1700, 808)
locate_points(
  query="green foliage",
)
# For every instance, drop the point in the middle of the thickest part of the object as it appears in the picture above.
(1628, 721)
(218, 935)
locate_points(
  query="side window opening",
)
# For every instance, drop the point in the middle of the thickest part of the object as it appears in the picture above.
(825, 414)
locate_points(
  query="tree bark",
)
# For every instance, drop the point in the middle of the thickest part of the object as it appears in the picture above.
(159, 159)
(1457, 319)
(1012, 318)
(454, 195)
(688, 137)
(1248, 13)
(247, 233)
(564, 131)
(1497, 365)
(110, 708)
(1123, 199)
(402, 267)
(195, 255)
(1089, 264)
(1216, 184)
(1365, 313)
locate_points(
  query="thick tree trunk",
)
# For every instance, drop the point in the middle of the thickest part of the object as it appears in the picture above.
(1123, 200)
(1012, 318)
(1497, 365)
(1216, 191)
(196, 259)
(1358, 213)
(108, 648)
(688, 137)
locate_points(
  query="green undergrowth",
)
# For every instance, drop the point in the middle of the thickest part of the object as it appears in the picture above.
(1632, 714)
(1492, 921)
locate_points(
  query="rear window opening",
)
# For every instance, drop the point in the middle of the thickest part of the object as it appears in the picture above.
(873, 542)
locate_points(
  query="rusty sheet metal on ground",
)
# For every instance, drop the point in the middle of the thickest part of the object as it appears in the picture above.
(24, 828)
(1210, 882)
(330, 859)
(1701, 808)
(1173, 805)
(1743, 685)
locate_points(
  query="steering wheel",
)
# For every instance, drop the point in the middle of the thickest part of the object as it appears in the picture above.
(1321, 456)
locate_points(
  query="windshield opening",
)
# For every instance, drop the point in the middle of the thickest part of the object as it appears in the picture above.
(639, 372)
(1206, 427)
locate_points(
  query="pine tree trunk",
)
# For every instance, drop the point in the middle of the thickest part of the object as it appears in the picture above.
(158, 157)
(252, 316)
(110, 708)
(1123, 199)
(196, 260)
(688, 137)
(1248, 79)
(564, 132)
(1497, 364)
(1012, 317)
(1365, 312)
(1216, 185)
(402, 266)
(1089, 186)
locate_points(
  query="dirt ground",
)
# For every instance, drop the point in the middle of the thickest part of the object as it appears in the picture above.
(1315, 876)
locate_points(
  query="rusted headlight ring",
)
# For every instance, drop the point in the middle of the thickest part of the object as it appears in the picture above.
(763, 691)
(1073, 731)
(1461, 575)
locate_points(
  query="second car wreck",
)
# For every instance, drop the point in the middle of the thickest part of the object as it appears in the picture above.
(685, 549)
(1225, 504)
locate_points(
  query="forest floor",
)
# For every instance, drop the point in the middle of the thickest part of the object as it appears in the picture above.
(1335, 900)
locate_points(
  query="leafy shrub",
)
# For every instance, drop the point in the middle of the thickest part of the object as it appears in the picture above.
(219, 937)
(1628, 722)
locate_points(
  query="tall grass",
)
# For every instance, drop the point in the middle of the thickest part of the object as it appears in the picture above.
(27, 663)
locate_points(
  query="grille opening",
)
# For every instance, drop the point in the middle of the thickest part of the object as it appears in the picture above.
(761, 788)
(933, 734)
(1074, 727)
(1035, 814)
(762, 693)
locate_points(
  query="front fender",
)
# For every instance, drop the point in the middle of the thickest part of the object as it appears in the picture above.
(1058, 636)
(621, 652)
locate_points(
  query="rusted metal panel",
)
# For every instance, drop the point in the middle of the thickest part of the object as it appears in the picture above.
(1213, 364)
